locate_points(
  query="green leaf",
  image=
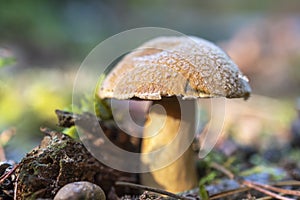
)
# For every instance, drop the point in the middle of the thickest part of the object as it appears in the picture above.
(72, 132)
(203, 193)
(205, 180)
(208, 178)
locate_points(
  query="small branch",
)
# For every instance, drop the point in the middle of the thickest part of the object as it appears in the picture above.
(280, 190)
(5, 176)
(228, 192)
(287, 183)
(256, 186)
(222, 169)
(151, 189)
(267, 192)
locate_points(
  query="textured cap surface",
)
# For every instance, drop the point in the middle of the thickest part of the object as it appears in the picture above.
(190, 67)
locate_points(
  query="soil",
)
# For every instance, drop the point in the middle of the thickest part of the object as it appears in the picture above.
(245, 173)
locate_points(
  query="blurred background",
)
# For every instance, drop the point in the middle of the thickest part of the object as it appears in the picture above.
(42, 44)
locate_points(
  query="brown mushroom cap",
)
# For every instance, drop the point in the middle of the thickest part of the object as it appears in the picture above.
(190, 67)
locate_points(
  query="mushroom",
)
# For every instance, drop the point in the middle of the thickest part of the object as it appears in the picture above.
(173, 72)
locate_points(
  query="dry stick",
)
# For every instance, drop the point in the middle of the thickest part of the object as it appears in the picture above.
(228, 192)
(265, 198)
(151, 189)
(5, 176)
(243, 189)
(256, 186)
(222, 169)
(267, 192)
(287, 183)
(280, 190)
(230, 175)
(282, 183)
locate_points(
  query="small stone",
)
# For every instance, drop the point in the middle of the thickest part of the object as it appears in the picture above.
(79, 191)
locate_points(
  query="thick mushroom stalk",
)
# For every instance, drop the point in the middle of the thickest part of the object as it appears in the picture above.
(186, 67)
(172, 130)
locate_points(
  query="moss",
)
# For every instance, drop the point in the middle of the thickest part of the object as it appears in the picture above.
(57, 161)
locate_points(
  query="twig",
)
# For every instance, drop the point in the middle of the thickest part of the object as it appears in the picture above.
(222, 169)
(282, 183)
(228, 192)
(258, 188)
(280, 190)
(5, 176)
(151, 189)
(265, 198)
(287, 183)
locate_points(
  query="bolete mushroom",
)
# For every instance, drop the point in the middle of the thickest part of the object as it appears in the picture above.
(172, 71)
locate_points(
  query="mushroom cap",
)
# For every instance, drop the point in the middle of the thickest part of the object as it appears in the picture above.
(189, 67)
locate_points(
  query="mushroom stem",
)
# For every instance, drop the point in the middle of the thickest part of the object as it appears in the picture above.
(176, 124)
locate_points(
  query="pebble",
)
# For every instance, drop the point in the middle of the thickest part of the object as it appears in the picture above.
(79, 191)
